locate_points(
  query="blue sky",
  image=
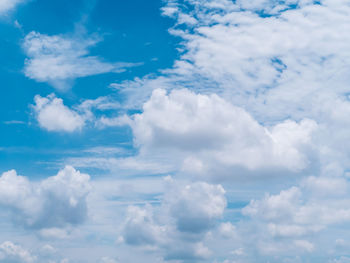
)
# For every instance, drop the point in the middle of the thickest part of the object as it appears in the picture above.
(174, 131)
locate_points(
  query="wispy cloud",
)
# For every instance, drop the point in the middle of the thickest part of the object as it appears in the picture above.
(59, 60)
(8, 5)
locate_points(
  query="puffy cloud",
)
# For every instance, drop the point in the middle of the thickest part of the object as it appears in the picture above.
(57, 201)
(59, 60)
(300, 72)
(7, 5)
(177, 229)
(196, 207)
(210, 132)
(140, 228)
(11, 253)
(53, 115)
(294, 209)
(297, 219)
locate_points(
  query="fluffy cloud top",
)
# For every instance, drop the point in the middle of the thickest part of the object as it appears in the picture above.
(59, 59)
(296, 208)
(53, 115)
(177, 229)
(206, 128)
(297, 218)
(57, 201)
(196, 207)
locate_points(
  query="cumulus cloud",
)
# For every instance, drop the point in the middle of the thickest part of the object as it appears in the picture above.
(209, 131)
(53, 115)
(177, 229)
(140, 228)
(196, 207)
(300, 72)
(58, 59)
(296, 218)
(58, 201)
(297, 207)
(278, 67)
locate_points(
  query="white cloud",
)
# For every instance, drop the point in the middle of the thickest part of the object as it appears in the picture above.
(8, 5)
(196, 207)
(209, 132)
(281, 75)
(58, 201)
(177, 229)
(298, 207)
(306, 52)
(300, 72)
(297, 219)
(53, 115)
(10, 252)
(59, 59)
(140, 228)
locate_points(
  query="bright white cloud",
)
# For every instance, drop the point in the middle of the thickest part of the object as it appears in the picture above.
(57, 201)
(53, 115)
(207, 130)
(59, 60)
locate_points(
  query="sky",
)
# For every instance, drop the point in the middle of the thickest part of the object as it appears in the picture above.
(180, 131)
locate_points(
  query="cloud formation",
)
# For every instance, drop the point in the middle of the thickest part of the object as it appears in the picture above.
(53, 115)
(59, 60)
(57, 201)
(210, 132)
(178, 228)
